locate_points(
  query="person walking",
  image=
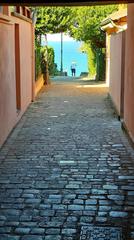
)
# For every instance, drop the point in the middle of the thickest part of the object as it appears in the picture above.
(73, 69)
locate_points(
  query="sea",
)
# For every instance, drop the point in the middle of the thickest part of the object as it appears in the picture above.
(71, 53)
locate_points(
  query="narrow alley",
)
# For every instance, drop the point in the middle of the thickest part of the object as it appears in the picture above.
(67, 165)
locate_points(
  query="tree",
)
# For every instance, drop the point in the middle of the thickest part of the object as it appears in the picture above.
(86, 28)
(53, 20)
(83, 23)
(51, 60)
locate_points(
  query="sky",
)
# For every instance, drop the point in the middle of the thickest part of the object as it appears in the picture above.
(57, 38)
(71, 53)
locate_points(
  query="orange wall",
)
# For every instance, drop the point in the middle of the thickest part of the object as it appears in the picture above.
(39, 84)
(129, 74)
(115, 69)
(8, 114)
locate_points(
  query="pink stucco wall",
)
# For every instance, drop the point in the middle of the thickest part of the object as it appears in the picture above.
(7, 81)
(129, 74)
(115, 69)
(8, 112)
(25, 61)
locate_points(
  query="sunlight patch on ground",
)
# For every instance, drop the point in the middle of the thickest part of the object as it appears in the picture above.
(62, 114)
(92, 86)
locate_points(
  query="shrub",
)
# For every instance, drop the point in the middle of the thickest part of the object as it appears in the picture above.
(47, 55)
(38, 70)
(42, 56)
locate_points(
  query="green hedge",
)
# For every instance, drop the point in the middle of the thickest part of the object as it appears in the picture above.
(96, 61)
(42, 54)
(47, 53)
(38, 70)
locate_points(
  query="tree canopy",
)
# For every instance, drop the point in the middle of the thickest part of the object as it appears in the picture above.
(53, 19)
(86, 28)
(83, 24)
(86, 24)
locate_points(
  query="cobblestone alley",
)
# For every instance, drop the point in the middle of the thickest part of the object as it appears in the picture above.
(67, 165)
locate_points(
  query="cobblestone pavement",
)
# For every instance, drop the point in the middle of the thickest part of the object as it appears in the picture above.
(66, 165)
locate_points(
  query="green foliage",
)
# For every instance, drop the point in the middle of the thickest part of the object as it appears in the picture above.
(100, 64)
(83, 23)
(53, 19)
(86, 24)
(47, 55)
(38, 70)
(86, 28)
(42, 54)
(91, 59)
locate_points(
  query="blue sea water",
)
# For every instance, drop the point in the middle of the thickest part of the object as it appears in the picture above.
(71, 53)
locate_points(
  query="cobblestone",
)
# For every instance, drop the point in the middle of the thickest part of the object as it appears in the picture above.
(52, 237)
(101, 233)
(85, 219)
(8, 237)
(68, 231)
(22, 230)
(67, 164)
(118, 214)
(32, 237)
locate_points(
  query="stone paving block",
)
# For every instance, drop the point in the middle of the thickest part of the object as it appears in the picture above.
(59, 206)
(56, 196)
(32, 237)
(118, 214)
(101, 219)
(89, 213)
(116, 197)
(86, 219)
(53, 237)
(53, 231)
(91, 202)
(58, 174)
(104, 208)
(99, 233)
(68, 231)
(47, 213)
(9, 237)
(78, 201)
(110, 187)
(21, 230)
(38, 231)
(28, 224)
(91, 207)
(75, 207)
